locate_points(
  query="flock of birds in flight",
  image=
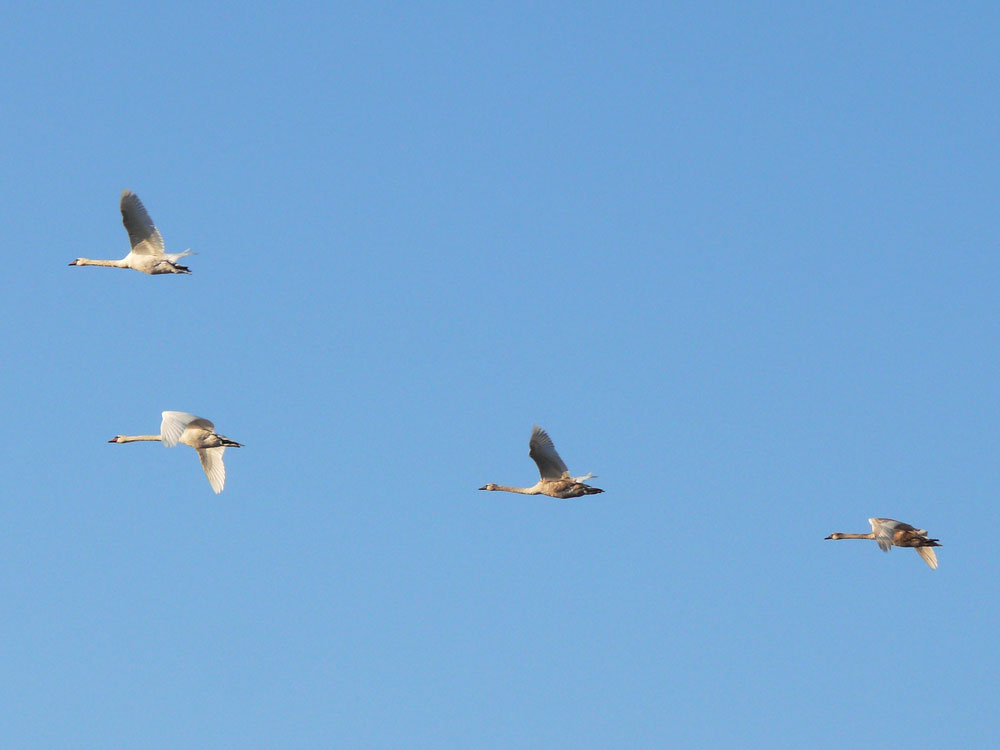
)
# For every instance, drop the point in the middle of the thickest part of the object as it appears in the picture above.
(148, 256)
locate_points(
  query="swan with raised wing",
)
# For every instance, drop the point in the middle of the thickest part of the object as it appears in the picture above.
(147, 253)
(889, 533)
(555, 480)
(181, 427)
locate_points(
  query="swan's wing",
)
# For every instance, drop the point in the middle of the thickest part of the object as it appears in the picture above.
(883, 528)
(928, 554)
(175, 422)
(541, 449)
(142, 233)
(215, 470)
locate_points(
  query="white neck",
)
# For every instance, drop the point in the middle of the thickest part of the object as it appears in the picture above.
(136, 438)
(113, 263)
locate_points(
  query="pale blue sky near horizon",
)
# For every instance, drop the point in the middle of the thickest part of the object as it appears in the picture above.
(740, 262)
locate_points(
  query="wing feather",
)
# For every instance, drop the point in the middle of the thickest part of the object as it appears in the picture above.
(883, 528)
(215, 469)
(929, 556)
(175, 422)
(541, 449)
(143, 235)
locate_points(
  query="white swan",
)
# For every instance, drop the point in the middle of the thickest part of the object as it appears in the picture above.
(555, 480)
(147, 245)
(181, 427)
(889, 533)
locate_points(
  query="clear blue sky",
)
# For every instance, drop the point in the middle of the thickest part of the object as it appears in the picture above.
(740, 262)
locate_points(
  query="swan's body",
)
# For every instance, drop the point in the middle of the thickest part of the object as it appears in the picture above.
(180, 427)
(147, 245)
(889, 533)
(555, 480)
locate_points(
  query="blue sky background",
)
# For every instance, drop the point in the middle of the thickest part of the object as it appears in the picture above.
(740, 262)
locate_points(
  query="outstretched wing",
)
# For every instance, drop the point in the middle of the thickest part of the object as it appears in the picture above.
(175, 422)
(215, 470)
(143, 235)
(928, 554)
(883, 528)
(541, 449)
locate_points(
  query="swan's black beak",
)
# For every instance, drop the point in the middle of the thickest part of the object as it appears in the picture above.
(829, 537)
(72, 263)
(483, 487)
(114, 439)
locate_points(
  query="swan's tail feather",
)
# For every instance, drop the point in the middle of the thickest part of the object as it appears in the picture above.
(172, 259)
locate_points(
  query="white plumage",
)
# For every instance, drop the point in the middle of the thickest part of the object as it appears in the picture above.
(147, 254)
(199, 433)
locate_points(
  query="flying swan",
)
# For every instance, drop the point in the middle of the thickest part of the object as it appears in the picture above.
(889, 533)
(555, 479)
(147, 245)
(180, 427)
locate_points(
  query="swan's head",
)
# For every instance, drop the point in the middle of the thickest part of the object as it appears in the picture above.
(116, 438)
(75, 262)
(489, 486)
(838, 535)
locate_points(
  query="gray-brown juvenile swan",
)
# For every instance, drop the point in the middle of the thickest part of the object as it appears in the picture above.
(555, 479)
(181, 427)
(889, 533)
(147, 245)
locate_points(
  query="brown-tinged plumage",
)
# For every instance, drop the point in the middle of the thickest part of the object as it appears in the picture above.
(555, 480)
(889, 533)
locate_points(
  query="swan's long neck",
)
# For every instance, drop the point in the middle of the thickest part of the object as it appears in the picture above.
(136, 438)
(519, 490)
(111, 263)
(869, 535)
